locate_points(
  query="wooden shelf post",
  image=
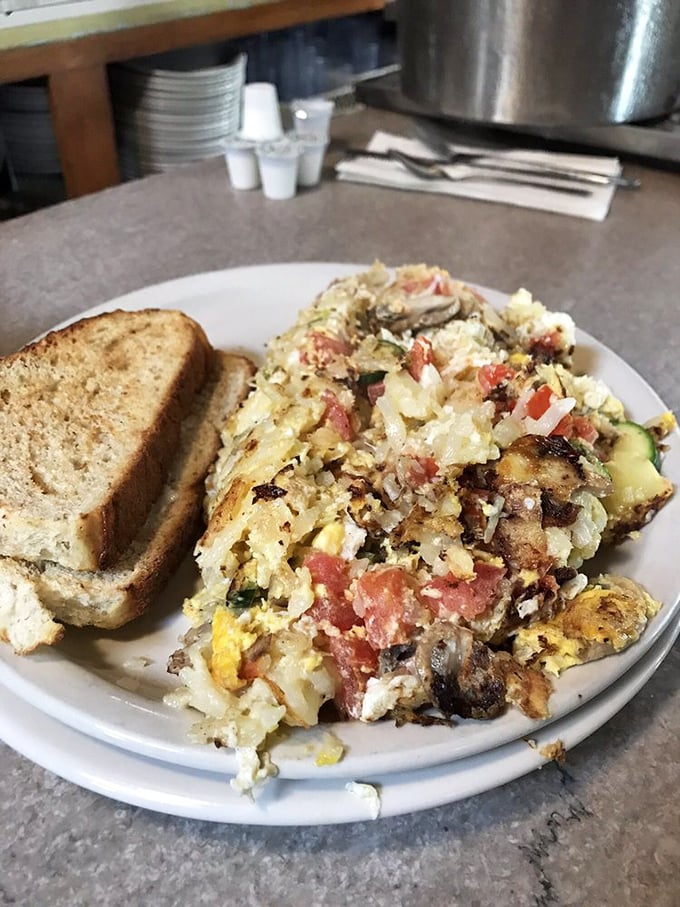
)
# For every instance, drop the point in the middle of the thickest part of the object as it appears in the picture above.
(83, 126)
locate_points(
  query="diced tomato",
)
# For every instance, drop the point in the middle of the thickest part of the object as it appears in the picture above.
(337, 416)
(323, 348)
(577, 427)
(446, 595)
(585, 429)
(328, 569)
(356, 662)
(539, 402)
(421, 471)
(337, 611)
(565, 427)
(330, 603)
(490, 376)
(436, 284)
(387, 601)
(374, 391)
(420, 355)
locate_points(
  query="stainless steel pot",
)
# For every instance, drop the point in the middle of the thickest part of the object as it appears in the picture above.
(542, 62)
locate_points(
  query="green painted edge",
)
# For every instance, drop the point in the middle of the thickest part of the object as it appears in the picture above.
(115, 20)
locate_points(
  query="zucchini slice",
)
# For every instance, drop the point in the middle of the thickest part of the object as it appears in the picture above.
(639, 441)
(639, 489)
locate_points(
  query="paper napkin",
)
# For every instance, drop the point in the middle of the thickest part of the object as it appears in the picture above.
(594, 206)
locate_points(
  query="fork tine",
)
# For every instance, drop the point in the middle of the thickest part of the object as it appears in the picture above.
(417, 166)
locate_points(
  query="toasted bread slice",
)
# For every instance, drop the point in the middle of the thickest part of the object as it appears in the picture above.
(33, 597)
(90, 418)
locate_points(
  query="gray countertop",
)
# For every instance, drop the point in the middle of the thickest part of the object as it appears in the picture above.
(604, 831)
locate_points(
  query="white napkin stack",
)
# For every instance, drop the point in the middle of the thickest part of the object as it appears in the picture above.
(594, 206)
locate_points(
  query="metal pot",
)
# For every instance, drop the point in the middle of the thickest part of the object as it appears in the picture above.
(542, 62)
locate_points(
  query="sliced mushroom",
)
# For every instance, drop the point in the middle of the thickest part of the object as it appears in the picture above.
(396, 658)
(415, 314)
(459, 673)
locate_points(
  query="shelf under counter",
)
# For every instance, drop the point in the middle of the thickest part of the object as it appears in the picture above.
(72, 51)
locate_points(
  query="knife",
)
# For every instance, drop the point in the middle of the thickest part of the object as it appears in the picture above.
(489, 160)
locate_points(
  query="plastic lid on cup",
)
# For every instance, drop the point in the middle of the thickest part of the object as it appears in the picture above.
(311, 139)
(238, 143)
(283, 150)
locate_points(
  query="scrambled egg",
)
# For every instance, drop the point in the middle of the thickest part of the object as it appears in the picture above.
(603, 619)
(229, 641)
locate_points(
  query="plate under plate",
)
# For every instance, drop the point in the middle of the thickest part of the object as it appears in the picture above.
(110, 686)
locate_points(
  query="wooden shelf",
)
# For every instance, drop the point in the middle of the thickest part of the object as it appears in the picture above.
(76, 72)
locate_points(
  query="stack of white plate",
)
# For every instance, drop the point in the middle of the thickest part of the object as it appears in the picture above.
(27, 128)
(172, 109)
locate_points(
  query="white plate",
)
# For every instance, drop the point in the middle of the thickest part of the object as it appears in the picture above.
(201, 795)
(152, 67)
(201, 111)
(92, 680)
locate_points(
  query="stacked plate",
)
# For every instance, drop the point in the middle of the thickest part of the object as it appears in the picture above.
(27, 128)
(92, 709)
(172, 109)
(29, 141)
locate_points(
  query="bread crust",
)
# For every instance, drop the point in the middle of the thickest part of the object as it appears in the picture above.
(112, 597)
(94, 537)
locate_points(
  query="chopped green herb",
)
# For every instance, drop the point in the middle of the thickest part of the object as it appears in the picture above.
(372, 550)
(367, 378)
(245, 597)
(393, 346)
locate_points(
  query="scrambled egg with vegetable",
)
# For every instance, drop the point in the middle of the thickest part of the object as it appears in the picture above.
(400, 515)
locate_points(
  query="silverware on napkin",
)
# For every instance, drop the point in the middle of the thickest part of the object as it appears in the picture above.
(428, 169)
(428, 134)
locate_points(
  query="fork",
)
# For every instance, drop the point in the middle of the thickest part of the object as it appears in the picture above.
(432, 170)
(432, 137)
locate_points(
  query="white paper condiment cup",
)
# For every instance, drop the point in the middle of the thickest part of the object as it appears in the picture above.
(312, 151)
(244, 172)
(312, 116)
(261, 118)
(278, 168)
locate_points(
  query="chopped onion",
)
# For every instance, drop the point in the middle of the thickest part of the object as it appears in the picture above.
(551, 418)
(391, 487)
(394, 424)
(431, 546)
(437, 283)
(493, 516)
(388, 520)
(520, 410)
(528, 606)
(439, 568)
(506, 431)
(354, 538)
